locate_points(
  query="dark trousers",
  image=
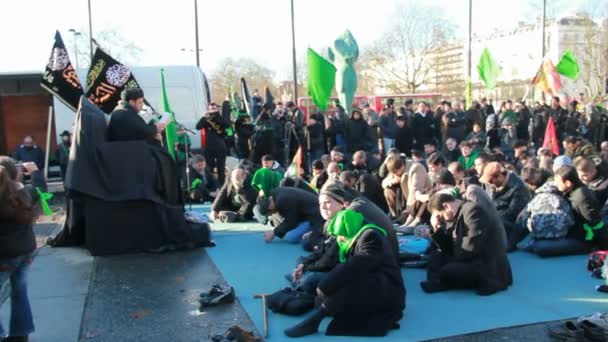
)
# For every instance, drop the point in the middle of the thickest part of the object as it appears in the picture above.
(452, 274)
(216, 159)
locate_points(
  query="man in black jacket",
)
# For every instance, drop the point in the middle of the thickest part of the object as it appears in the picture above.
(424, 127)
(298, 213)
(215, 147)
(510, 196)
(127, 125)
(203, 186)
(236, 199)
(588, 229)
(588, 169)
(471, 247)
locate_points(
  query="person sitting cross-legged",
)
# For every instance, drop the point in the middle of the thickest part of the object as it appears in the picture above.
(588, 229)
(203, 185)
(235, 200)
(364, 293)
(510, 196)
(472, 247)
(295, 213)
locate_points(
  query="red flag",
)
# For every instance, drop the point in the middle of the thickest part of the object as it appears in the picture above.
(547, 78)
(293, 171)
(550, 142)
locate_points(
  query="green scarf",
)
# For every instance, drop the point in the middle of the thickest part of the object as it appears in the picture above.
(589, 234)
(347, 225)
(44, 196)
(266, 180)
(468, 163)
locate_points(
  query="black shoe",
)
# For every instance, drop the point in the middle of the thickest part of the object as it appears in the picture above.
(15, 339)
(219, 296)
(593, 331)
(568, 331)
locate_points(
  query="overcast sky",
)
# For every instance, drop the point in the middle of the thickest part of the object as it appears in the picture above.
(228, 28)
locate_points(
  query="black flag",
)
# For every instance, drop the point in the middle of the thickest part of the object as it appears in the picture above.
(106, 79)
(59, 76)
(269, 99)
(245, 96)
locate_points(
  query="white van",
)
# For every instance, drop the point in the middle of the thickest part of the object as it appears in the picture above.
(186, 90)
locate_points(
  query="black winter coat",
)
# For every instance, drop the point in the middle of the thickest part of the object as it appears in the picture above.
(511, 200)
(215, 126)
(424, 129)
(357, 135)
(296, 206)
(365, 294)
(127, 125)
(477, 236)
(246, 196)
(585, 209)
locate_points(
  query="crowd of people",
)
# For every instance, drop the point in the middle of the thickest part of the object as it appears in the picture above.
(474, 184)
(469, 186)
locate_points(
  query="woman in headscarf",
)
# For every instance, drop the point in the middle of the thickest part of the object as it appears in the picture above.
(364, 293)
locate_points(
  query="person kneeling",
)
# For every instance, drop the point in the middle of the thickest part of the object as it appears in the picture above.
(297, 213)
(472, 247)
(364, 293)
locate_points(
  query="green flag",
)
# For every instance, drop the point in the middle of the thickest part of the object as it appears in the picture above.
(171, 128)
(44, 197)
(488, 69)
(568, 66)
(321, 79)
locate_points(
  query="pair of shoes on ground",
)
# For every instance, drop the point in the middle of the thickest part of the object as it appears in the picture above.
(14, 339)
(236, 333)
(589, 328)
(217, 295)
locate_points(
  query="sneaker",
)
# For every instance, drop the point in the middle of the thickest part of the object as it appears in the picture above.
(221, 296)
(568, 331)
(593, 331)
(598, 318)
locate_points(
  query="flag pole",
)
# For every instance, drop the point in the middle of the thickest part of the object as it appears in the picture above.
(48, 142)
(543, 23)
(90, 32)
(293, 44)
(469, 88)
(198, 62)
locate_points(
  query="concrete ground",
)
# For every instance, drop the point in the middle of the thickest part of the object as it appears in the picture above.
(147, 297)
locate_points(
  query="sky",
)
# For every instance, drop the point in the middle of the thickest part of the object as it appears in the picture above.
(231, 28)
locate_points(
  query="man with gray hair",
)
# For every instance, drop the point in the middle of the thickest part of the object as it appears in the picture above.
(235, 200)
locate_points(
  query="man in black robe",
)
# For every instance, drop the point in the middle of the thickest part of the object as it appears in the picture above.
(127, 125)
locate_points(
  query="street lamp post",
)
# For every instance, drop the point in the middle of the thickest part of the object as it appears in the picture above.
(75, 33)
(90, 32)
(196, 32)
(293, 44)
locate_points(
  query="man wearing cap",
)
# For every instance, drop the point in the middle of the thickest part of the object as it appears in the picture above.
(62, 153)
(126, 124)
(577, 147)
(510, 196)
(297, 213)
(334, 198)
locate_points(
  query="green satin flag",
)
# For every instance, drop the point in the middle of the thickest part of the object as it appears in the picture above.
(321, 79)
(488, 69)
(568, 66)
(171, 128)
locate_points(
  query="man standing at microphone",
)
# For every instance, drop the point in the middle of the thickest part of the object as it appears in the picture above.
(215, 148)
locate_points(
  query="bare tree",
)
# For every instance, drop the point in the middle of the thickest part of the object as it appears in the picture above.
(226, 77)
(112, 42)
(400, 61)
